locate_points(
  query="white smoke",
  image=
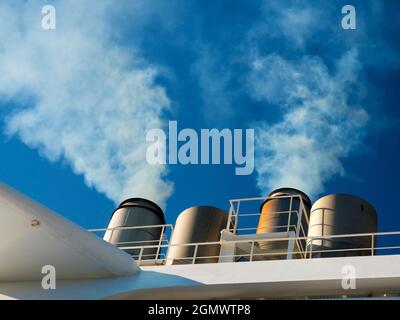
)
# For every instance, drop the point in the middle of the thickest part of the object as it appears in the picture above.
(86, 101)
(319, 126)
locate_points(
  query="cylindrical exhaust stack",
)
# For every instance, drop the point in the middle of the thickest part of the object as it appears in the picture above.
(136, 212)
(197, 224)
(281, 213)
(340, 214)
(285, 216)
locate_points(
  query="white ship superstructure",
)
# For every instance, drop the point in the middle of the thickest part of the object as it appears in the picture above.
(280, 246)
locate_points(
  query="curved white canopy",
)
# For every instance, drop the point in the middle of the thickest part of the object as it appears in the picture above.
(32, 236)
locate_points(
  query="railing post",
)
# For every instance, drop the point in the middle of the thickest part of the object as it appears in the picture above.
(159, 243)
(169, 244)
(112, 232)
(299, 217)
(229, 222)
(311, 248)
(252, 251)
(290, 213)
(195, 253)
(140, 255)
(372, 244)
(303, 211)
(237, 218)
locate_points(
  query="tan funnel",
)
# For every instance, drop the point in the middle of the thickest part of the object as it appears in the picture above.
(339, 214)
(197, 224)
(280, 214)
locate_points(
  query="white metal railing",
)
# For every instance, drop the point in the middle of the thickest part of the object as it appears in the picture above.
(295, 220)
(250, 248)
(298, 215)
(142, 245)
(252, 255)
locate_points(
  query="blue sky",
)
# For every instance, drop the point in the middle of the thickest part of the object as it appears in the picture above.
(76, 102)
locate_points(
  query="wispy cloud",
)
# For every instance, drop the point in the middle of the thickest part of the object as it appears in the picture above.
(292, 22)
(317, 92)
(305, 74)
(319, 127)
(92, 101)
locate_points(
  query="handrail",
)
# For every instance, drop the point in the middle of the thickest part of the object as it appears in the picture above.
(251, 255)
(300, 213)
(132, 228)
(283, 239)
(253, 244)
